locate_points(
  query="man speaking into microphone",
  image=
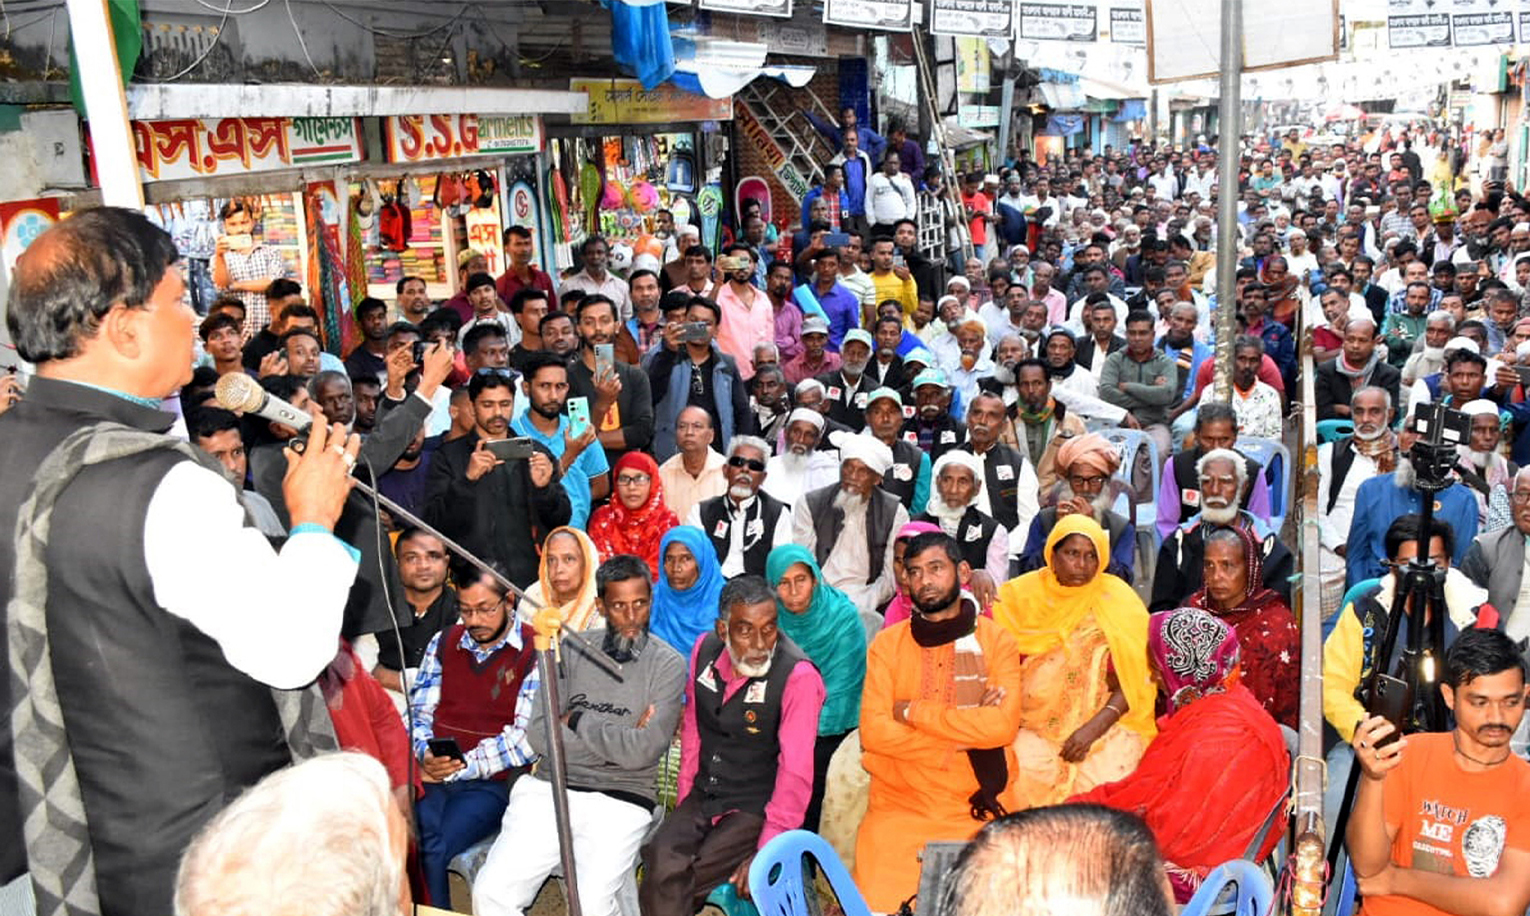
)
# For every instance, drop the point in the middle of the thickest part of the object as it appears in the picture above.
(141, 691)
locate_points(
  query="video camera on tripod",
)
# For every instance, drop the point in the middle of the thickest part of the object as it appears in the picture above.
(1408, 696)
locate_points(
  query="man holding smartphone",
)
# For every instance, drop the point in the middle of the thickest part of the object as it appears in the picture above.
(621, 406)
(473, 698)
(1441, 822)
(584, 472)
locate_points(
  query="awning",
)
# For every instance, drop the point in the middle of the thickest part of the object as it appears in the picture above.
(1061, 96)
(167, 101)
(1063, 125)
(724, 82)
(1105, 89)
(959, 137)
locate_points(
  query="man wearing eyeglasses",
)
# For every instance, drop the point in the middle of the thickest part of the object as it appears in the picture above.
(473, 699)
(743, 524)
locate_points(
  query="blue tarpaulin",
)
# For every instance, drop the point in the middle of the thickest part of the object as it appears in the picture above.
(640, 40)
(1131, 110)
(1063, 125)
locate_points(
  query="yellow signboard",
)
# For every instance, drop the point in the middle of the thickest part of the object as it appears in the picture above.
(622, 101)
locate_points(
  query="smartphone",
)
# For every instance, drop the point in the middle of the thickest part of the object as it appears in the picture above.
(1392, 701)
(605, 358)
(695, 332)
(898, 259)
(578, 416)
(445, 747)
(836, 239)
(242, 242)
(517, 449)
(419, 351)
(1524, 375)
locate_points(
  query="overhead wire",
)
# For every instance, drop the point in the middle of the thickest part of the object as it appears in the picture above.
(386, 33)
(301, 42)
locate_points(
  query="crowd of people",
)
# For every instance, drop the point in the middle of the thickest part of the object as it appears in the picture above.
(923, 517)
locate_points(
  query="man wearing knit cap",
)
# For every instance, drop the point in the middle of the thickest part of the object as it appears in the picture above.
(932, 426)
(849, 525)
(1085, 464)
(848, 387)
(909, 477)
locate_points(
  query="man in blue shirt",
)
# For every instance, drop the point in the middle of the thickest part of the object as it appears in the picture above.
(857, 171)
(827, 297)
(868, 140)
(583, 470)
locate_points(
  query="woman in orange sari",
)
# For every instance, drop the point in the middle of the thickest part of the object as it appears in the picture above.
(1087, 712)
(1219, 764)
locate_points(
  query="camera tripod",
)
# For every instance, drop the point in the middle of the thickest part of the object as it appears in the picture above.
(1418, 604)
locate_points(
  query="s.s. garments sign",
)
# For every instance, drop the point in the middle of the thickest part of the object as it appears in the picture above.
(422, 138)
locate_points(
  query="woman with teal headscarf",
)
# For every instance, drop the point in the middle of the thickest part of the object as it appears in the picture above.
(685, 597)
(826, 626)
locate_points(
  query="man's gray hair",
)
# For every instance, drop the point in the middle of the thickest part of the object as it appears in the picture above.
(1236, 459)
(754, 442)
(1377, 389)
(745, 590)
(323, 378)
(314, 838)
(1439, 315)
(768, 347)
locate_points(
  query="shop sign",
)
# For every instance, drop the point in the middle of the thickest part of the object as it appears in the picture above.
(800, 36)
(205, 147)
(1057, 22)
(1462, 23)
(422, 138)
(485, 236)
(892, 15)
(775, 157)
(21, 222)
(983, 18)
(624, 101)
(978, 116)
(782, 8)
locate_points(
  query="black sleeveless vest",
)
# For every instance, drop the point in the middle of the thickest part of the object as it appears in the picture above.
(740, 738)
(973, 533)
(1189, 483)
(716, 523)
(903, 477)
(1001, 480)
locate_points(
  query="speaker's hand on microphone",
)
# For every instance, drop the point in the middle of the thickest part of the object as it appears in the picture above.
(318, 480)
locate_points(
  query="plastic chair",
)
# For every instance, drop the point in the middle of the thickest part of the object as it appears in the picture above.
(1254, 890)
(778, 879)
(1275, 459)
(1128, 443)
(1329, 430)
(1348, 891)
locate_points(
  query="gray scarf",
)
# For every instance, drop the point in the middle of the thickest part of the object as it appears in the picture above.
(1362, 374)
(54, 821)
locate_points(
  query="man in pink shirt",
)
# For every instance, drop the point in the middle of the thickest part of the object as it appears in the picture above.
(747, 314)
(746, 753)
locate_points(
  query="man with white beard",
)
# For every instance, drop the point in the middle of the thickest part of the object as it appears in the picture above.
(743, 524)
(953, 505)
(1222, 474)
(1343, 465)
(1390, 496)
(746, 753)
(1430, 359)
(801, 466)
(849, 526)
(1483, 469)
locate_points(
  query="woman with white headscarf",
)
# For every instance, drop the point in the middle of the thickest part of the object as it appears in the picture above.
(956, 504)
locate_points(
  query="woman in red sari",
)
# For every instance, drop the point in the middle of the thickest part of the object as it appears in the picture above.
(1218, 765)
(635, 519)
(1233, 572)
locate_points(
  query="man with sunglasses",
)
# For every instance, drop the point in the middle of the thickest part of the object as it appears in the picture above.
(743, 524)
(473, 698)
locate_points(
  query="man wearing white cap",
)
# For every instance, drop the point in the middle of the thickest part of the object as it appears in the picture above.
(848, 387)
(1483, 468)
(954, 506)
(799, 465)
(961, 288)
(676, 273)
(850, 525)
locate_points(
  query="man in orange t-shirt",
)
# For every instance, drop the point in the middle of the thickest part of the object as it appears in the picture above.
(1441, 822)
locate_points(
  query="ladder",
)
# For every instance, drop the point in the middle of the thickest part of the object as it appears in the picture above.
(779, 112)
(938, 130)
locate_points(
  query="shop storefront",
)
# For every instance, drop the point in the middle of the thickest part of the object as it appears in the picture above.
(634, 152)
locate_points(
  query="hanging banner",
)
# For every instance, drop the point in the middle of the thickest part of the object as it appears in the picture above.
(1127, 26)
(972, 65)
(1467, 23)
(978, 116)
(1484, 28)
(781, 8)
(981, 18)
(421, 138)
(205, 147)
(780, 164)
(1058, 22)
(889, 15)
(485, 235)
(624, 101)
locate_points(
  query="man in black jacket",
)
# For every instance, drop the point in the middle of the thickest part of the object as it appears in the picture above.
(1358, 366)
(1100, 338)
(498, 509)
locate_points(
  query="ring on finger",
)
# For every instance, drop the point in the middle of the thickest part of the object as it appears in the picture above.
(349, 459)
(338, 450)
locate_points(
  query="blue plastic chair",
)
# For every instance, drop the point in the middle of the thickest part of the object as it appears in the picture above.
(778, 879)
(1348, 891)
(1329, 430)
(1355, 591)
(1275, 459)
(1254, 890)
(1128, 443)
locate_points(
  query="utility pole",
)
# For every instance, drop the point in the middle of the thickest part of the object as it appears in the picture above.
(111, 136)
(1229, 130)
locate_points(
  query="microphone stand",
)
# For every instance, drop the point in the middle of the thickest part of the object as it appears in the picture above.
(546, 669)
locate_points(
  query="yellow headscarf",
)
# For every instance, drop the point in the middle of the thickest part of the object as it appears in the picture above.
(581, 613)
(1041, 612)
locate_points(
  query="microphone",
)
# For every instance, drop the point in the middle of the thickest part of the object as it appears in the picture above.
(242, 394)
